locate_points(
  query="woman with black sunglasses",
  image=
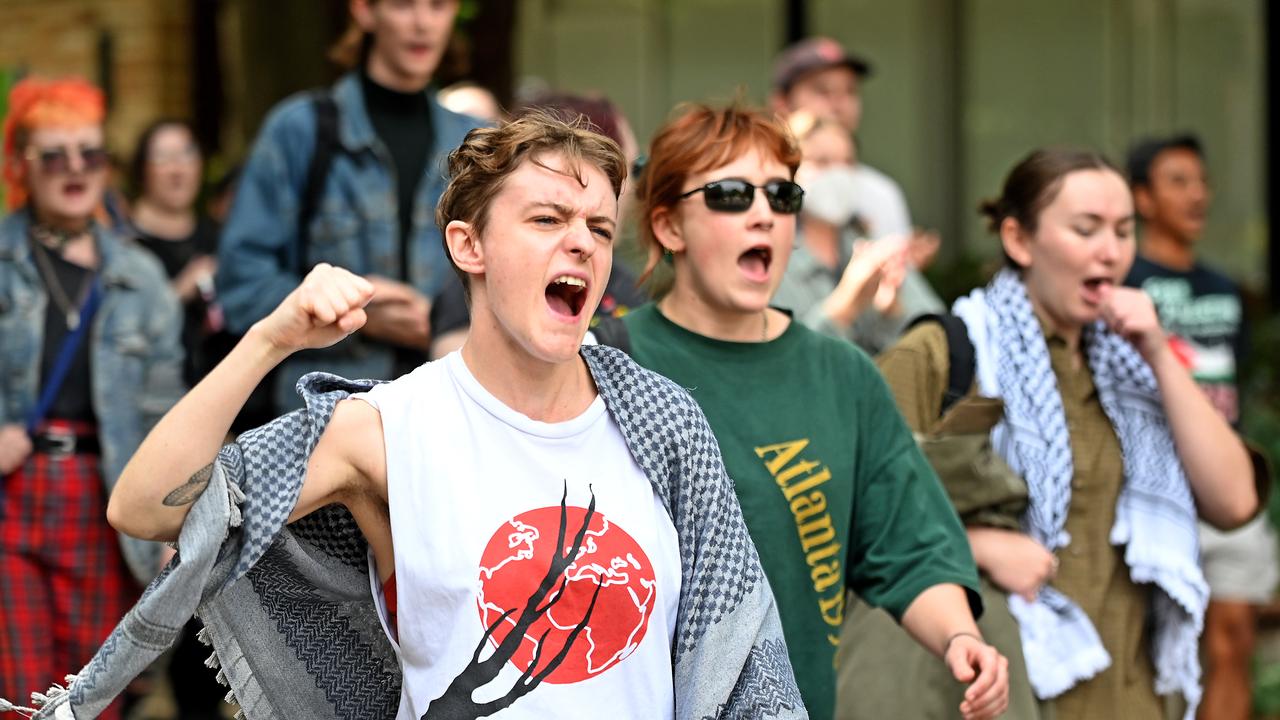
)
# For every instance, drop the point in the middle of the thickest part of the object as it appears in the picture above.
(89, 361)
(835, 493)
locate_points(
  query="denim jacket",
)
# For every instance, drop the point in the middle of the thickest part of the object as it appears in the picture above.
(356, 223)
(134, 345)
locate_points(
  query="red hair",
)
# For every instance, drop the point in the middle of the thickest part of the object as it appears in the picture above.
(699, 138)
(34, 104)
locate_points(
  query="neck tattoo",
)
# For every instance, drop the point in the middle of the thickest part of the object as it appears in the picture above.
(764, 327)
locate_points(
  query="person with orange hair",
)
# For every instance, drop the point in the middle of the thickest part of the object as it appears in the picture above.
(91, 359)
(835, 492)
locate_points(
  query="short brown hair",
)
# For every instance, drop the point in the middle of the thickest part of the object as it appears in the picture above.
(487, 156)
(351, 49)
(699, 138)
(1034, 183)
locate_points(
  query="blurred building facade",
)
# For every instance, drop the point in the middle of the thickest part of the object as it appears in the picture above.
(129, 47)
(961, 88)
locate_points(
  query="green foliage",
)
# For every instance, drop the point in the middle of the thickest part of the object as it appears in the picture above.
(467, 11)
(1266, 689)
(953, 277)
(8, 76)
(1260, 411)
(1260, 395)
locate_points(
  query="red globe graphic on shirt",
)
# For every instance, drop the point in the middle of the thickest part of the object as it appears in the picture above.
(517, 560)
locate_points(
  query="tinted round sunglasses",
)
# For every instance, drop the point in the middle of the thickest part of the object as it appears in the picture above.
(57, 160)
(735, 196)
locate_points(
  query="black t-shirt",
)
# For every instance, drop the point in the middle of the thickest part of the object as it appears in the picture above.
(403, 122)
(204, 347)
(449, 311)
(175, 254)
(1201, 310)
(75, 399)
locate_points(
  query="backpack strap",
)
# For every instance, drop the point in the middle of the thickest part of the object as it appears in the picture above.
(326, 110)
(613, 332)
(961, 356)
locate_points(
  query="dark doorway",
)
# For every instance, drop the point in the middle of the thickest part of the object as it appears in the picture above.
(1272, 20)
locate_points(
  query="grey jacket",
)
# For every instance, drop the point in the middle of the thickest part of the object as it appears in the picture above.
(289, 611)
(135, 351)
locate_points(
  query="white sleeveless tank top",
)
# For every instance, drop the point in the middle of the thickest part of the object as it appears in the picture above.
(503, 566)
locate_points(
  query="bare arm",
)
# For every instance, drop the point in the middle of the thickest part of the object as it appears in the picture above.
(1014, 561)
(15, 447)
(940, 620)
(173, 465)
(1215, 460)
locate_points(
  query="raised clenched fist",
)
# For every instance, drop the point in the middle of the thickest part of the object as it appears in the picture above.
(325, 308)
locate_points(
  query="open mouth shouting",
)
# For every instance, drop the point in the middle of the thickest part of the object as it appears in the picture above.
(74, 188)
(566, 296)
(1096, 287)
(755, 263)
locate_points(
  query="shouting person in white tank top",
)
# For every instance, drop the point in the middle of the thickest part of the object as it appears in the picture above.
(550, 529)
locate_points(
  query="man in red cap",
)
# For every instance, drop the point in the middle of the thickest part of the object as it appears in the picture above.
(818, 76)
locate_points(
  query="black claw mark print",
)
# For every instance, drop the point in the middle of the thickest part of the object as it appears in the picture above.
(456, 703)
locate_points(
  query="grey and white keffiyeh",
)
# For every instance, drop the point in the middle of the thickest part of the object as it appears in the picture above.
(289, 611)
(1155, 513)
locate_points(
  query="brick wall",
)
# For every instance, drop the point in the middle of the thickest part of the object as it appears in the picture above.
(150, 71)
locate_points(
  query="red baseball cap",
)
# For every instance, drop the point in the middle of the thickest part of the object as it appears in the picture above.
(816, 53)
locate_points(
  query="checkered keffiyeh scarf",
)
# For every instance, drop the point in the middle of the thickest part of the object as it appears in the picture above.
(1155, 512)
(289, 612)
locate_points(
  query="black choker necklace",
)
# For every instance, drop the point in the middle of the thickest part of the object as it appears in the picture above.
(70, 307)
(55, 239)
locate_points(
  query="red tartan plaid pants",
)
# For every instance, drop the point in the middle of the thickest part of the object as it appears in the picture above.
(63, 582)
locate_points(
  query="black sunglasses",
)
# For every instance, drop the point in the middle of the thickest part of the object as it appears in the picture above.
(57, 161)
(735, 196)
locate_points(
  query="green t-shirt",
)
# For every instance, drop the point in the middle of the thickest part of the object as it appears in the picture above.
(835, 493)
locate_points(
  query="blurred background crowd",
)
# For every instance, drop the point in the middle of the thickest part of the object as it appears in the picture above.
(908, 114)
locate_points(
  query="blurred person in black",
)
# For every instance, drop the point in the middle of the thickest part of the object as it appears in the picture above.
(165, 175)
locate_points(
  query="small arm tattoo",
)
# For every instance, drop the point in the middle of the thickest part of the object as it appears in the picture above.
(187, 493)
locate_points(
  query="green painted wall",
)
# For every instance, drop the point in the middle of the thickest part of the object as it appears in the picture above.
(8, 76)
(962, 88)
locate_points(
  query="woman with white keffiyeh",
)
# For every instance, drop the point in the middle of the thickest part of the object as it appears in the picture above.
(1119, 449)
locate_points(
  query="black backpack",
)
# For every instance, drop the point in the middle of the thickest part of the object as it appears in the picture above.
(960, 356)
(322, 155)
(613, 332)
(260, 408)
